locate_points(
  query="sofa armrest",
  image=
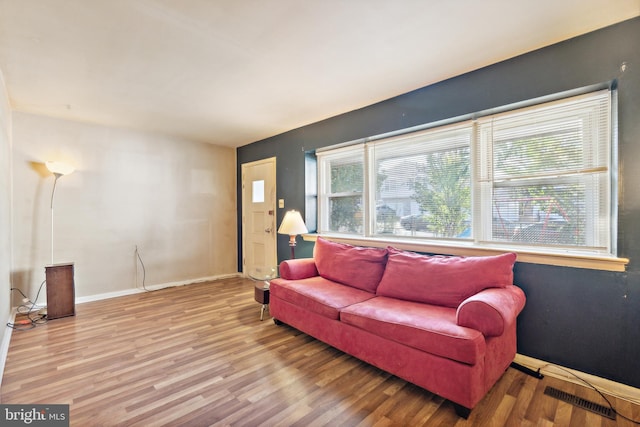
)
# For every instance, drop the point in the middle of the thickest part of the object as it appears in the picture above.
(492, 310)
(296, 269)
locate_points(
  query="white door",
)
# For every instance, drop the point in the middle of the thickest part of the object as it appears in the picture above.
(259, 218)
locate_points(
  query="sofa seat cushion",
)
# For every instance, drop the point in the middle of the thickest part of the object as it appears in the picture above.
(429, 328)
(318, 295)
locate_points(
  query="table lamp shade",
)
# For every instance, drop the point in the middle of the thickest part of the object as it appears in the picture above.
(292, 224)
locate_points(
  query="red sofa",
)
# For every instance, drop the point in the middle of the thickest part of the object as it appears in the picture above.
(447, 324)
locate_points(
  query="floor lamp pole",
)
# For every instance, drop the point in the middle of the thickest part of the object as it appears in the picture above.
(53, 192)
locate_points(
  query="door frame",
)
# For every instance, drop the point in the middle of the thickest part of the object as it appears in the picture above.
(246, 199)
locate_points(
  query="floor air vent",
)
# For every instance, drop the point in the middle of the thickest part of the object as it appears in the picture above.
(580, 403)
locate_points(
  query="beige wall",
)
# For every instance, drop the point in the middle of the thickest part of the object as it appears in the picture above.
(5, 219)
(173, 199)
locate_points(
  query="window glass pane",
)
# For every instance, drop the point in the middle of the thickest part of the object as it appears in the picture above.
(257, 194)
(345, 214)
(541, 214)
(342, 197)
(538, 153)
(346, 175)
(443, 192)
(423, 185)
(550, 174)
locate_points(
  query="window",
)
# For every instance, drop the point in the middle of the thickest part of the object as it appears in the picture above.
(342, 190)
(423, 183)
(257, 191)
(537, 178)
(546, 177)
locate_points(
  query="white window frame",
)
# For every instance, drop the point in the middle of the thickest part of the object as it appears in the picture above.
(324, 183)
(432, 140)
(597, 145)
(602, 257)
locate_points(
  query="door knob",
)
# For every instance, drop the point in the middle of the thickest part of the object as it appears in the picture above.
(267, 230)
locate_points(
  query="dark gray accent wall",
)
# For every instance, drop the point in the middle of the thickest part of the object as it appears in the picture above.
(583, 319)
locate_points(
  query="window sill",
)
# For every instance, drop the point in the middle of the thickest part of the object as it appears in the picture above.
(563, 259)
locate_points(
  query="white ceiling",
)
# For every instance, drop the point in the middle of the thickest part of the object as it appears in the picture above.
(231, 72)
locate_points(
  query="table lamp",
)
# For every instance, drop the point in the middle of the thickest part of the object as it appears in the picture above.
(292, 224)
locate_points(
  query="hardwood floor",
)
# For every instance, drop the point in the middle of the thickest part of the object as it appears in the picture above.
(199, 355)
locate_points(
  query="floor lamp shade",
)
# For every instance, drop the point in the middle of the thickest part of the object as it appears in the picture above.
(59, 168)
(292, 224)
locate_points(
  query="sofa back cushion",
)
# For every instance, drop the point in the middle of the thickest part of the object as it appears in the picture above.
(350, 265)
(443, 280)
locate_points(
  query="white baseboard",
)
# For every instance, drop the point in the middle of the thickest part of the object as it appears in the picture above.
(132, 291)
(4, 346)
(612, 388)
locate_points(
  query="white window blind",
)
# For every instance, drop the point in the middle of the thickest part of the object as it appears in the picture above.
(543, 175)
(422, 183)
(538, 178)
(342, 175)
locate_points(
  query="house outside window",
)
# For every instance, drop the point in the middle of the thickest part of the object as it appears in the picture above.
(538, 178)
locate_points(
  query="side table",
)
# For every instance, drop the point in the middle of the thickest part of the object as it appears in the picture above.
(261, 295)
(61, 300)
(262, 275)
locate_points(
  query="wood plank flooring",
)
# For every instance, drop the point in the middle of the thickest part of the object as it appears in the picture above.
(199, 355)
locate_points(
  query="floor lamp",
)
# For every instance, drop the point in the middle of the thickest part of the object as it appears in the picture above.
(58, 169)
(292, 224)
(59, 277)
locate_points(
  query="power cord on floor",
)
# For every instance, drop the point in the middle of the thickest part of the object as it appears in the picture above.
(30, 321)
(588, 384)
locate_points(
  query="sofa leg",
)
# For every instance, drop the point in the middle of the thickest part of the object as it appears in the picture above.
(461, 411)
(277, 322)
